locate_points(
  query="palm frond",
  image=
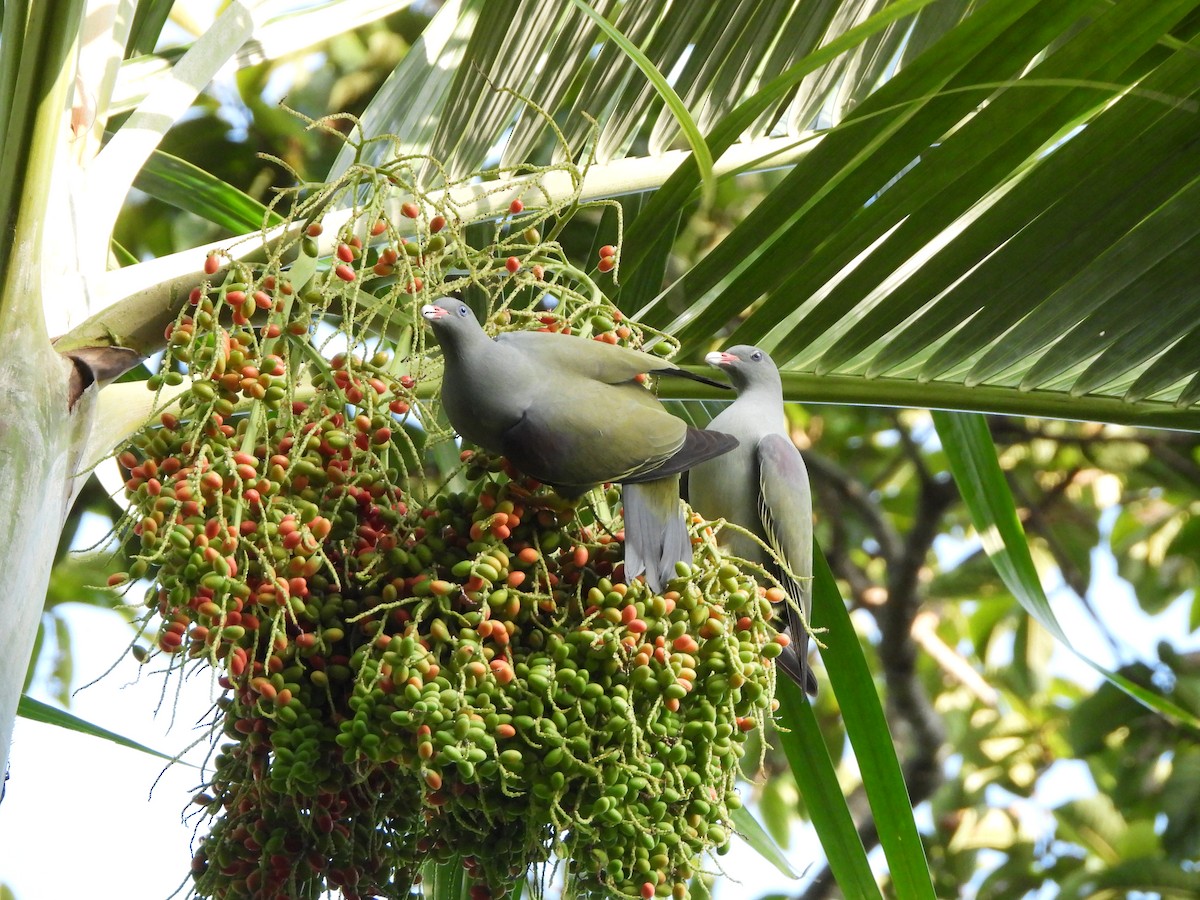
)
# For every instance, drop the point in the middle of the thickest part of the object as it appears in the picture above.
(997, 215)
(999, 189)
(716, 55)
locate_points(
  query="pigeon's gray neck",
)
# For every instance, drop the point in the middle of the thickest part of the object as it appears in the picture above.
(473, 356)
(483, 388)
(762, 390)
(760, 407)
(463, 341)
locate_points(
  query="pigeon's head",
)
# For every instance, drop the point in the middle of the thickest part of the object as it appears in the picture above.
(746, 366)
(449, 318)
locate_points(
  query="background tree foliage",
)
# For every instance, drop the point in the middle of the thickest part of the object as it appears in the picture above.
(1005, 224)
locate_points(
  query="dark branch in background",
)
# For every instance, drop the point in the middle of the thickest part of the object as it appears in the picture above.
(915, 724)
(835, 487)
(1176, 460)
(897, 649)
(852, 492)
(848, 508)
(839, 559)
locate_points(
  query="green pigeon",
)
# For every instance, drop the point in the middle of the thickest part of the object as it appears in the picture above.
(762, 486)
(569, 412)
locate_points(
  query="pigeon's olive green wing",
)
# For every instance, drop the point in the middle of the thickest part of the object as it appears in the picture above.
(608, 363)
(582, 433)
(785, 507)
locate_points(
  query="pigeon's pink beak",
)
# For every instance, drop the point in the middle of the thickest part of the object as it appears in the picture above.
(433, 313)
(720, 360)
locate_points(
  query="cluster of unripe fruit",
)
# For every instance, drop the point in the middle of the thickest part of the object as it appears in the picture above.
(414, 674)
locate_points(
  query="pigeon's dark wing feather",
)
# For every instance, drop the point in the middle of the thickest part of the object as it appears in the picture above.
(698, 446)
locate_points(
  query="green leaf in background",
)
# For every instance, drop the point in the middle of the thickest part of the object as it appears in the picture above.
(445, 880)
(700, 151)
(867, 729)
(148, 21)
(37, 711)
(815, 774)
(1158, 878)
(121, 255)
(752, 832)
(675, 191)
(178, 183)
(972, 456)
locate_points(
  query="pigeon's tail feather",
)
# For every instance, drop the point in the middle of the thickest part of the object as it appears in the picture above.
(810, 680)
(796, 667)
(656, 535)
(793, 661)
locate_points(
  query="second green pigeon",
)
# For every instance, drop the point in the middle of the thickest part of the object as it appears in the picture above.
(569, 412)
(762, 486)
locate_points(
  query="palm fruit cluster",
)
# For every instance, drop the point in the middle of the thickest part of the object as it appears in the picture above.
(420, 666)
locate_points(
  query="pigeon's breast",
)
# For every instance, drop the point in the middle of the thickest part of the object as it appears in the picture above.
(481, 409)
(727, 487)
